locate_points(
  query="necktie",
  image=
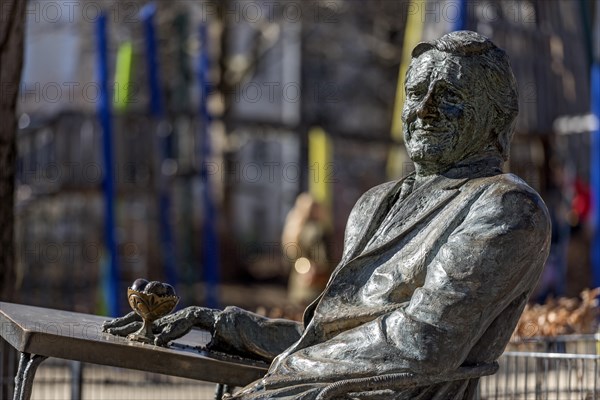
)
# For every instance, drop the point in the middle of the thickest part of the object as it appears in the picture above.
(388, 221)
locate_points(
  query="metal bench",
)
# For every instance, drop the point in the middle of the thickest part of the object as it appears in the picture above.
(38, 333)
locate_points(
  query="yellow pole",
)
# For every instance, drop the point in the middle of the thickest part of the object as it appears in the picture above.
(123, 75)
(321, 174)
(413, 33)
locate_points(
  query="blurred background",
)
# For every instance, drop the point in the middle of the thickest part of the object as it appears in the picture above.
(220, 145)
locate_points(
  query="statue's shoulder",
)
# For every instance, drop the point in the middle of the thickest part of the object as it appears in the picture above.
(373, 196)
(369, 200)
(379, 191)
(505, 183)
(508, 190)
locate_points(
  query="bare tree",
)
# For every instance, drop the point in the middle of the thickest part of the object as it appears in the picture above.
(12, 23)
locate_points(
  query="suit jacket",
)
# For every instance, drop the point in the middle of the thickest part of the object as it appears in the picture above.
(426, 284)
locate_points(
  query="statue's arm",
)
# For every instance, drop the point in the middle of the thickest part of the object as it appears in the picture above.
(233, 330)
(493, 258)
(248, 334)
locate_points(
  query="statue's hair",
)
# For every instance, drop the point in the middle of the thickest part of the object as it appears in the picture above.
(498, 79)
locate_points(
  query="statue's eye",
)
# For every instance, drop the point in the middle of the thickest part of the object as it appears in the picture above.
(413, 93)
(452, 97)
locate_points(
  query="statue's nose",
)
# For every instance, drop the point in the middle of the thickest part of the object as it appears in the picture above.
(428, 106)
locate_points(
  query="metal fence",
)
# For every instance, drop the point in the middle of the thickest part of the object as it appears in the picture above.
(541, 376)
(68, 380)
(562, 368)
(565, 367)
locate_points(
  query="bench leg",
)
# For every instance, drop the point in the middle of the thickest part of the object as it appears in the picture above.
(222, 390)
(28, 364)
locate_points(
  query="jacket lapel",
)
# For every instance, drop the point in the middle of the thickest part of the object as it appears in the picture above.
(419, 205)
(371, 222)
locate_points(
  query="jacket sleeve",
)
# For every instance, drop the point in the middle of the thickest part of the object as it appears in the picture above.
(244, 333)
(492, 258)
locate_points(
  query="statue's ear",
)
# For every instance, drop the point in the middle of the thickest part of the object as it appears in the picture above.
(421, 48)
(496, 142)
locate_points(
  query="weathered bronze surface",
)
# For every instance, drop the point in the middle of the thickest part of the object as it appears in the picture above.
(150, 307)
(75, 336)
(436, 267)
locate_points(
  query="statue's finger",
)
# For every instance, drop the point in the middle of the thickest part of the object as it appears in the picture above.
(125, 330)
(121, 321)
(161, 323)
(157, 327)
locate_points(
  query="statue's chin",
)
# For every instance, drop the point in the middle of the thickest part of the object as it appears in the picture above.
(425, 153)
(431, 159)
(432, 151)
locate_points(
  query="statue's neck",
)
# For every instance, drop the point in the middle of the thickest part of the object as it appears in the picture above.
(476, 166)
(423, 170)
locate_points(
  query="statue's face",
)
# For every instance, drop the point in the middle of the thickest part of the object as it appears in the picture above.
(445, 113)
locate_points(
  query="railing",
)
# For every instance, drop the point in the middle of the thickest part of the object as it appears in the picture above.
(561, 368)
(564, 367)
(62, 380)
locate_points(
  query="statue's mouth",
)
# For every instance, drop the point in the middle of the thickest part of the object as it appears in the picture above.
(428, 127)
(428, 131)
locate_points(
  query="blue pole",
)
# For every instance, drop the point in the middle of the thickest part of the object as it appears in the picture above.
(460, 23)
(595, 170)
(593, 42)
(156, 107)
(157, 111)
(210, 245)
(104, 113)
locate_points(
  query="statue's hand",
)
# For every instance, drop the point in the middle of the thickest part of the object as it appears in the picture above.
(167, 328)
(174, 326)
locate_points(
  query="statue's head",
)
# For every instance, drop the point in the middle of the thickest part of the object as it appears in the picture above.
(461, 101)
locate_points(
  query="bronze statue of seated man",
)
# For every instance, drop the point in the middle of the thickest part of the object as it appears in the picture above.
(436, 267)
